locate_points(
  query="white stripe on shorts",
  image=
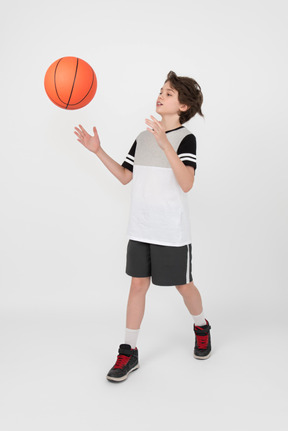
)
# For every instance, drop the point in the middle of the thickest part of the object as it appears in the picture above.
(188, 264)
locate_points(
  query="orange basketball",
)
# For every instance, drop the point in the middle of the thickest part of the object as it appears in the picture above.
(70, 83)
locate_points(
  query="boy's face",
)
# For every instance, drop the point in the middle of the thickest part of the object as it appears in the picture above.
(167, 101)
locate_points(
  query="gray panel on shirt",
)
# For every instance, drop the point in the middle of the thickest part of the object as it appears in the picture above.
(148, 152)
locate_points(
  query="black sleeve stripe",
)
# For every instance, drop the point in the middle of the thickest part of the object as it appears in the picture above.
(129, 161)
(189, 163)
(187, 151)
(127, 166)
(132, 150)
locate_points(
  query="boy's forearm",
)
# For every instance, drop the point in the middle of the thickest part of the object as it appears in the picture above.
(115, 168)
(183, 175)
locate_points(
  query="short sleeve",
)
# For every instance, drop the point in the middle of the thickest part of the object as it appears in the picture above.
(187, 151)
(129, 161)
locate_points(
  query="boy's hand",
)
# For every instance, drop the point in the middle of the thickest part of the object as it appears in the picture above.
(158, 132)
(92, 143)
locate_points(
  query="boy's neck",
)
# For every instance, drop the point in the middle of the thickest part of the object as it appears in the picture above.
(169, 123)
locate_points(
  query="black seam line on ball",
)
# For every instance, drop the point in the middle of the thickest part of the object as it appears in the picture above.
(57, 103)
(55, 81)
(73, 83)
(74, 104)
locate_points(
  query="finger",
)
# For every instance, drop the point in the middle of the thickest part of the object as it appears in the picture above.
(82, 129)
(80, 139)
(78, 131)
(156, 121)
(149, 122)
(79, 136)
(152, 124)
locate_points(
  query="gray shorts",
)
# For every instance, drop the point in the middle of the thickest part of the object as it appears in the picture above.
(168, 266)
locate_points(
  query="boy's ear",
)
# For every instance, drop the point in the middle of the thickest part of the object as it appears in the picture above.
(184, 108)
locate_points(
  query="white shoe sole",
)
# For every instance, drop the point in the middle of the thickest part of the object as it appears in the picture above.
(120, 379)
(203, 357)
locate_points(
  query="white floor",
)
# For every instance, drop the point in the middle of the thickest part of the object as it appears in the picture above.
(54, 365)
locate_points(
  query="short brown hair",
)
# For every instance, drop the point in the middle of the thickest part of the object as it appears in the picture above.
(189, 93)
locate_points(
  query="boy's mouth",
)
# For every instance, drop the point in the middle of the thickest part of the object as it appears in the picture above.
(159, 104)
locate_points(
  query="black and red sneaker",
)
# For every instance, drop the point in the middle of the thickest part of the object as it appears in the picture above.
(127, 361)
(202, 349)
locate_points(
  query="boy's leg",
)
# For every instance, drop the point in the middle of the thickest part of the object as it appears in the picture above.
(136, 302)
(191, 297)
(127, 359)
(193, 302)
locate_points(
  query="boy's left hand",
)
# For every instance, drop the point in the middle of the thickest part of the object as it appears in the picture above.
(158, 132)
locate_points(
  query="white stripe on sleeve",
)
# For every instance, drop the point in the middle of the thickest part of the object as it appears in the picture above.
(188, 158)
(129, 161)
(186, 154)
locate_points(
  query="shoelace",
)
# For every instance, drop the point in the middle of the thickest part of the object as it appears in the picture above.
(121, 361)
(202, 341)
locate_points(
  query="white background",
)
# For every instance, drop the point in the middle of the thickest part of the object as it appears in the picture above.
(64, 218)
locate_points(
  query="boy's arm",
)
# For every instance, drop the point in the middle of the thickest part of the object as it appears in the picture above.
(121, 173)
(184, 174)
(92, 143)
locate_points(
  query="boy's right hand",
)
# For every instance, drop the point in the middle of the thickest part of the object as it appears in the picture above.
(92, 143)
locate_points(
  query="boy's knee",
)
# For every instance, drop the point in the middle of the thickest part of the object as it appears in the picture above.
(185, 287)
(181, 289)
(140, 284)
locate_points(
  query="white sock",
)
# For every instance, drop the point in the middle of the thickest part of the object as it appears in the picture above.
(199, 320)
(131, 336)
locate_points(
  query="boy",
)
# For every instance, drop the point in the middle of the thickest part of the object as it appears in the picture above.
(162, 163)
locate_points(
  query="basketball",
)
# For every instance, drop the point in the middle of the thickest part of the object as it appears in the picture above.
(70, 83)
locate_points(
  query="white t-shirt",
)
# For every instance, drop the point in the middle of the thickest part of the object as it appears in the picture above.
(159, 211)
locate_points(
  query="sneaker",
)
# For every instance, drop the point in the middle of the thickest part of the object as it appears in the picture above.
(127, 361)
(202, 349)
